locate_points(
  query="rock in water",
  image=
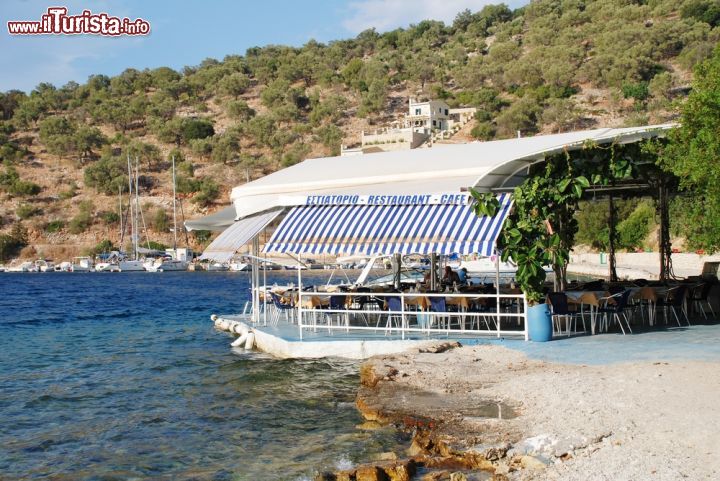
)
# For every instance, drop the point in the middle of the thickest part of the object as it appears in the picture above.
(370, 473)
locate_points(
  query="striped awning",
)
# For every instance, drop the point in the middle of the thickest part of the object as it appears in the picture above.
(237, 235)
(389, 229)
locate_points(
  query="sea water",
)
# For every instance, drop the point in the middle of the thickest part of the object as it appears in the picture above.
(118, 376)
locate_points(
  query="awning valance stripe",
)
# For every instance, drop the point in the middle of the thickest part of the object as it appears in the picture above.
(388, 229)
(238, 234)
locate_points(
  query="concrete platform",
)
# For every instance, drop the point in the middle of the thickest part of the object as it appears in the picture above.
(697, 342)
(283, 340)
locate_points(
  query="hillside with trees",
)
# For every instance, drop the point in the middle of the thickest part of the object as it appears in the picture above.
(552, 66)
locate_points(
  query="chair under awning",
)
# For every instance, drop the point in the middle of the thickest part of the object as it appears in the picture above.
(389, 229)
(237, 235)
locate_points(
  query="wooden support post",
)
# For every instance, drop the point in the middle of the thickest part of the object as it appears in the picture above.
(433, 272)
(497, 290)
(612, 235)
(665, 247)
(397, 266)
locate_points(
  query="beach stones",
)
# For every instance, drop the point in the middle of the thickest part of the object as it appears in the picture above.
(394, 470)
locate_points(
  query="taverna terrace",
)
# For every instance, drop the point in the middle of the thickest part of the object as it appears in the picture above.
(393, 204)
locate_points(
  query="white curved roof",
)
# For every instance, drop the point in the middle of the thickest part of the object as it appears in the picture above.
(440, 169)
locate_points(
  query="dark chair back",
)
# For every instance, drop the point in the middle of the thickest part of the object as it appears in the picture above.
(623, 300)
(559, 303)
(394, 303)
(678, 295)
(337, 302)
(437, 304)
(702, 292)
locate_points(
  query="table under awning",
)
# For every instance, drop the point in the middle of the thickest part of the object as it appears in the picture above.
(238, 234)
(378, 226)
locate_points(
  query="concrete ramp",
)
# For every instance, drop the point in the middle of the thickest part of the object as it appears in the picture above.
(283, 340)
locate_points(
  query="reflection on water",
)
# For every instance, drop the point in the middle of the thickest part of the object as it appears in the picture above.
(121, 376)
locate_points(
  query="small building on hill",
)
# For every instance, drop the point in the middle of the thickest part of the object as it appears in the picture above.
(425, 122)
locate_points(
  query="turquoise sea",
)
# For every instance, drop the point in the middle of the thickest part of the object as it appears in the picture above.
(122, 377)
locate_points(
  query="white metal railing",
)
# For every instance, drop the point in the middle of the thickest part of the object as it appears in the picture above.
(307, 316)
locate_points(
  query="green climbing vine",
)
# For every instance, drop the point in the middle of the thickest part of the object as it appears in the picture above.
(540, 230)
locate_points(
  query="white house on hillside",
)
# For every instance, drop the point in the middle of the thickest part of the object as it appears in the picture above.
(426, 122)
(432, 114)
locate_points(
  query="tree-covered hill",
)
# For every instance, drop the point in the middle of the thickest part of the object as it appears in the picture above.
(551, 66)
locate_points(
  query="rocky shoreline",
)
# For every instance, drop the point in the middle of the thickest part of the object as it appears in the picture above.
(487, 412)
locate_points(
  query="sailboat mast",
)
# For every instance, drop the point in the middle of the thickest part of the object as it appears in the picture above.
(130, 207)
(122, 230)
(137, 208)
(174, 209)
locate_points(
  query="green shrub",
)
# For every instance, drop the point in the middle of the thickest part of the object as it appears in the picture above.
(149, 154)
(225, 148)
(633, 231)
(24, 188)
(103, 246)
(592, 218)
(331, 136)
(176, 154)
(192, 129)
(108, 175)
(156, 246)
(160, 220)
(109, 217)
(54, 226)
(25, 211)
(208, 192)
(69, 193)
(185, 168)
(298, 152)
(57, 133)
(234, 84)
(483, 131)
(240, 110)
(202, 236)
(186, 185)
(82, 221)
(12, 243)
(11, 183)
(638, 91)
(707, 11)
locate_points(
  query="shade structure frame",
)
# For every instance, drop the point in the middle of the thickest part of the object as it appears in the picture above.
(241, 232)
(389, 229)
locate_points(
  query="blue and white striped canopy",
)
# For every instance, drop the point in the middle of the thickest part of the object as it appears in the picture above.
(389, 229)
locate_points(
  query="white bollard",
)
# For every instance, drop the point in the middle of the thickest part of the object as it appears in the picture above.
(250, 343)
(239, 341)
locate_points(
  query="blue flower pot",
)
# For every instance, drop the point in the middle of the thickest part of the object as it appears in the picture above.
(539, 323)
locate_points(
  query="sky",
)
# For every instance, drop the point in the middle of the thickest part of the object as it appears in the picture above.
(187, 32)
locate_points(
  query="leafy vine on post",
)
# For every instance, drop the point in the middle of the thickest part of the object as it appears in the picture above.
(541, 228)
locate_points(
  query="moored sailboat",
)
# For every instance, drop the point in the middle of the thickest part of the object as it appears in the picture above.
(177, 259)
